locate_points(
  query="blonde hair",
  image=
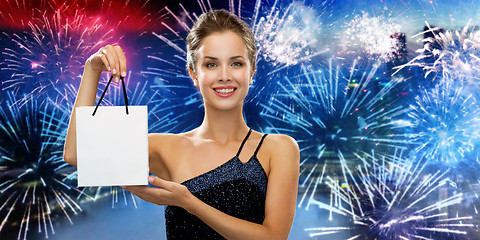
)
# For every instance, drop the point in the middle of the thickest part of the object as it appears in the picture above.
(218, 21)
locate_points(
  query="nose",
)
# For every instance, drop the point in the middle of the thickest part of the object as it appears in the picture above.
(225, 74)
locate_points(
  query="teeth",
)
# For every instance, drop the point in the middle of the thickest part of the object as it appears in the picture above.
(225, 90)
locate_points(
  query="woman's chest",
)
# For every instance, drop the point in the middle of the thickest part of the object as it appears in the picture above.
(194, 160)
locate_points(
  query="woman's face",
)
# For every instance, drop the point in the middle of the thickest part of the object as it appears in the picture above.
(223, 72)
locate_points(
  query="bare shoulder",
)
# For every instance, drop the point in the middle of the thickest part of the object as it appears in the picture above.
(282, 138)
(281, 141)
(283, 148)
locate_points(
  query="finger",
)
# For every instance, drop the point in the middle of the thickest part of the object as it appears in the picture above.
(122, 61)
(117, 64)
(101, 55)
(149, 194)
(105, 62)
(140, 189)
(141, 193)
(112, 60)
(159, 182)
(137, 190)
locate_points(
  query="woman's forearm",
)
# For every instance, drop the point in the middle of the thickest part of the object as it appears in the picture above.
(85, 97)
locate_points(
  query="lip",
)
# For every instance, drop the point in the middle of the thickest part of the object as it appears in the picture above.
(224, 95)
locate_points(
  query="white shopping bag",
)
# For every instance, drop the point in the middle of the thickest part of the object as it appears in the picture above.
(112, 146)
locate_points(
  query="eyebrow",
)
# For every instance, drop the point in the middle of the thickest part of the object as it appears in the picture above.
(214, 58)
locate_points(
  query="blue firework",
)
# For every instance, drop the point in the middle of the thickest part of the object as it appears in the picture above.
(35, 183)
(335, 112)
(287, 34)
(444, 123)
(393, 197)
(343, 108)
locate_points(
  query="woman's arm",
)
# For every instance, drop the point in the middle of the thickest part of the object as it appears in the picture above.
(280, 201)
(109, 58)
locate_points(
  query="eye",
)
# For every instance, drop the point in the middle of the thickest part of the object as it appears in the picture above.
(237, 64)
(211, 65)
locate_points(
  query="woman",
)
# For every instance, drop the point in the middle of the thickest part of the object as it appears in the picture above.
(211, 192)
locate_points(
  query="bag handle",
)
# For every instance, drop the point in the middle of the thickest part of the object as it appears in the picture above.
(104, 91)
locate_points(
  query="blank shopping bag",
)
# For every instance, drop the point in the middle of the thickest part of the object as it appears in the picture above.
(112, 145)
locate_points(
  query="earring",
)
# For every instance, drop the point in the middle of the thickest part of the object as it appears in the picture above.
(251, 81)
(195, 83)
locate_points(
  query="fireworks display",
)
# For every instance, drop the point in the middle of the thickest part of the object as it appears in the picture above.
(339, 107)
(374, 35)
(288, 36)
(35, 187)
(445, 124)
(388, 197)
(50, 53)
(451, 55)
(381, 96)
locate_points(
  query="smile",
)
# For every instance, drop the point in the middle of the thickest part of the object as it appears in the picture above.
(225, 91)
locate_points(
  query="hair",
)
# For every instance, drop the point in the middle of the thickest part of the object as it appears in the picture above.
(218, 21)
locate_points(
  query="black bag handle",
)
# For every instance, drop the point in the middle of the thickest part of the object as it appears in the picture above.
(104, 91)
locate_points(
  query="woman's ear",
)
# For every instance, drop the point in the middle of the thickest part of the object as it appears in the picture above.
(193, 75)
(251, 77)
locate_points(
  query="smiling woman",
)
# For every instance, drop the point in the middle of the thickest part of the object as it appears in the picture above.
(211, 192)
(222, 70)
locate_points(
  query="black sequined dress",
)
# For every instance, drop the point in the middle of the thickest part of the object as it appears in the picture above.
(235, 188)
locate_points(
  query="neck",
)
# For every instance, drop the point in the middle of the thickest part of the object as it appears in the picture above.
(223, 126)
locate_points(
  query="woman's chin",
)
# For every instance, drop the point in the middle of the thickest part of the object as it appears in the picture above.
(225, 106)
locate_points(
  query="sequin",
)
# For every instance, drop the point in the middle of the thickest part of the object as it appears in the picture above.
(235, 188)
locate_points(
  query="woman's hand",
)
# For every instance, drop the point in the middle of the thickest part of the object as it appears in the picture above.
(165, 192)
(109, 58)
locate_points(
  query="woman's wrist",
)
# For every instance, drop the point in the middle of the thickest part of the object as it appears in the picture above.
(90, 74)
(190, 203)
(89, 68)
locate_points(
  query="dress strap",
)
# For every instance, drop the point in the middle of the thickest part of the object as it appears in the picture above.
(243, 143)
(259, 144)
